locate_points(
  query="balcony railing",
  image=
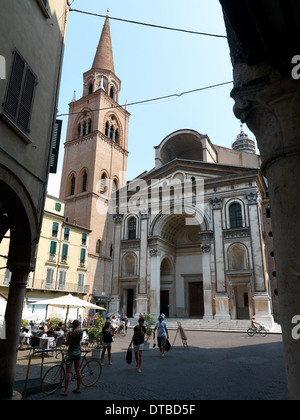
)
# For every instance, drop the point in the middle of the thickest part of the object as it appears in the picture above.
(66, 287)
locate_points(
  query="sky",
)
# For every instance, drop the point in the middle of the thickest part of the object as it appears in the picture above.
(152, 63)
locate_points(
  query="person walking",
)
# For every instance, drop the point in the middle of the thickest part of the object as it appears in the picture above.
(74, 355)
(162, 335)
(138, 339)
(107, 340)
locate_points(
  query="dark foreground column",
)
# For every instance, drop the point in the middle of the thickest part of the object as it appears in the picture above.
(270, 105)
(8, 347)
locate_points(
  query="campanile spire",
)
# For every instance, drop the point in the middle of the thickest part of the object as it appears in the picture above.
(104, 59)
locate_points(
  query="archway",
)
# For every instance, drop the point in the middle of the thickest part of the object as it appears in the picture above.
(15, 208)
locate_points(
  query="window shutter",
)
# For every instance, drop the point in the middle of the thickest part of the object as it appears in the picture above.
(49, 278)
(67, 234)
(53, 247)
(65, 251)
(19, 98)
(14, 87)
(26, 101)
(82, 255)
(55, 146)
(55, 228)
(84, 238)
(80, 282)
(62, 280)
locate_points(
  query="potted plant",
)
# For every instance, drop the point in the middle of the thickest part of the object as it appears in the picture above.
(95, 336)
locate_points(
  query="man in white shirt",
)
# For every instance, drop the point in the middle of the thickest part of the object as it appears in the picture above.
(162, 335)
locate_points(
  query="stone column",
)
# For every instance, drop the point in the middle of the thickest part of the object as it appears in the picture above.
(269, 103)
(221, 297)
(217, 204)
(206, 250)
(115, 298)
(261, 298)
(142, 298)
(8, 347)
(154, 283)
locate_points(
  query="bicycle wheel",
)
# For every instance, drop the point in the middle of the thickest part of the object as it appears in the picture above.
(263, 333)
(53, 380)
(251, 332)
(91, 373)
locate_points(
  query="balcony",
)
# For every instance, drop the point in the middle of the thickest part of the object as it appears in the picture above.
(57, 286)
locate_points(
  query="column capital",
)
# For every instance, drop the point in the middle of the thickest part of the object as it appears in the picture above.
(118, 218)
(251, 197)
(205, 248)
(269, 105)
(216, 202)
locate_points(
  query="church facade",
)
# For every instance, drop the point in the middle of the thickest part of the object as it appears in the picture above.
(195, 247)
(185, 238)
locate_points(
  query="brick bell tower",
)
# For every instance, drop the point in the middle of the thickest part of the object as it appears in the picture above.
(95, 163)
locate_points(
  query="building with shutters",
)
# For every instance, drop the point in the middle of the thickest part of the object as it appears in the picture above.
(61, 260)
(32, 45)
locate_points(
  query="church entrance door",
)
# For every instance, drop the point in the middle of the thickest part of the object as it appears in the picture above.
(196, 299)
(165, 302)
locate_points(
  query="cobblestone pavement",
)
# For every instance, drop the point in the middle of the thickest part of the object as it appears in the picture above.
(217, 366)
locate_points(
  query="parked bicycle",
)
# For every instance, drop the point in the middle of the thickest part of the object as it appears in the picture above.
(91, 371)
(261, 331)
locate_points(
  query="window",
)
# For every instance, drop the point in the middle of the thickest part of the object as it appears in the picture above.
(66, 234)
(112, 129)
(82, 257)
(98, 246)
(107, 129)
(49, 278)
(132, 228)
(72, 187)
(235, 215)
(84, 182)
(90, 88)
(44, 7)
(80, 284)
(103, 184)
(62, 280)
(64, 253)
(84, 239)
(53, 247)
(111, 92)
(117, 136)
(58, 207)
(55, 227)
(19, 97)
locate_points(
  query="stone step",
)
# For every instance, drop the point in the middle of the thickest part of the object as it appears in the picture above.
(204, 325)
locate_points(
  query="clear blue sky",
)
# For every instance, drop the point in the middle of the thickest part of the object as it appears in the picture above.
(152, 63)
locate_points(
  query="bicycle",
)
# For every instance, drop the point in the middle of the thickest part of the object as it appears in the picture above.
(91, 371)
(261, 331)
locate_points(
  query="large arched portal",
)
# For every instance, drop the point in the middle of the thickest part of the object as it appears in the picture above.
(181, 283)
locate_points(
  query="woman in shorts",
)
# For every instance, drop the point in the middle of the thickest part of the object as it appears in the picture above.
(107, 340)
(138, 342)
(74, 355)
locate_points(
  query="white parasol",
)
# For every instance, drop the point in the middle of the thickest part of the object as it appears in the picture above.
(69, 301)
